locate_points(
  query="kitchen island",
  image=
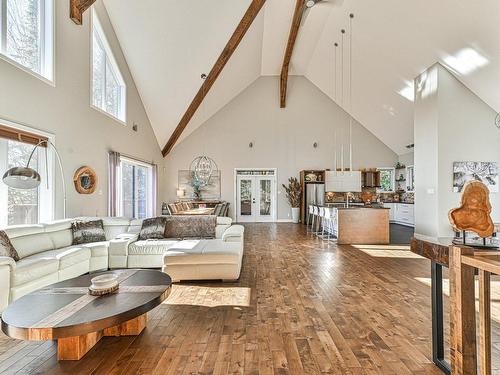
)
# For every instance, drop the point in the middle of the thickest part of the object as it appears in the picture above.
(363, 225)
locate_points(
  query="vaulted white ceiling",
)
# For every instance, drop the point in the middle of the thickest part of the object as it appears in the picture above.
(168, 44)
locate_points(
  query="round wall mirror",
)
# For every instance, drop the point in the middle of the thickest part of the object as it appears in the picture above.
(85, 180)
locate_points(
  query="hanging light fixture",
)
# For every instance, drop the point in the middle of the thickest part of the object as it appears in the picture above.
(202, 168)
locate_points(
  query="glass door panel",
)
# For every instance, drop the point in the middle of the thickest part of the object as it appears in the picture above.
(245, 199)
(265, 198)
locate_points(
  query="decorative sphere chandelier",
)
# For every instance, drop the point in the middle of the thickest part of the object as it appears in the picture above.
(202, 168)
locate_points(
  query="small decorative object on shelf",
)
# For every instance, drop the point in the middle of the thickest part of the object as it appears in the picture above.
(311, 177)
(474, 215)
(104, 284)
(399, 165)
(293, 194)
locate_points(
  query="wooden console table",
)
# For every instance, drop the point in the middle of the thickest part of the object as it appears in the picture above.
(464, 261)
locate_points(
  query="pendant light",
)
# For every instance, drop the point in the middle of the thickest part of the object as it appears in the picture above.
(203, 167)
(351, 16)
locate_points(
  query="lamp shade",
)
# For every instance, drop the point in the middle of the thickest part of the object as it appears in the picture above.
(22, 178)
(180, 193)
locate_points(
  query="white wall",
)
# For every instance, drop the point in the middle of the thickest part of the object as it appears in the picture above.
(406, 159)
(83, 135)
(283, 138)
(453, 124)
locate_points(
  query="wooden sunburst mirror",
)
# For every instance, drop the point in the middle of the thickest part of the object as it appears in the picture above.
(85, 180)
(474, 213)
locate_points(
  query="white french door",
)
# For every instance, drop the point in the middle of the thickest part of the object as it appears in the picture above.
(255, 196)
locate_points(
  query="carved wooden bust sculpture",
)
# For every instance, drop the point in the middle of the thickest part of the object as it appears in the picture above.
(474, 211)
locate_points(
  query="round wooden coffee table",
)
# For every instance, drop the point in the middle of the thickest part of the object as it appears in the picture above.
(67, 313)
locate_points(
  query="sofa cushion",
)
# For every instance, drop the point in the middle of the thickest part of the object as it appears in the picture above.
(31, 244)
(223, 220)
(97, 249)
(60, 233)
(153, 229)
(6, 247)
(151, 247)
(88, 232)
(191, 226)
(33, 268)
(204, 252)
(67, 256)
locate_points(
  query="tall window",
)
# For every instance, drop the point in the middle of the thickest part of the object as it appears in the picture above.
(108, 87)
(27, 32)
(137, 189)
(24, 206)
(387, 179)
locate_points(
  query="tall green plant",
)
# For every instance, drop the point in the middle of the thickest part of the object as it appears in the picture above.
(293, 192)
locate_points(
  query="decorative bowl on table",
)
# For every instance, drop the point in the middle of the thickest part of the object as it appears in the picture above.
(103, 284)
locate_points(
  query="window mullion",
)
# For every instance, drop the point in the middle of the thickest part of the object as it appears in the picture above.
(42, 35)
(3, 25)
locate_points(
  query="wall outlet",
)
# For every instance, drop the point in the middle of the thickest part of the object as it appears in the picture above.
(431, 191)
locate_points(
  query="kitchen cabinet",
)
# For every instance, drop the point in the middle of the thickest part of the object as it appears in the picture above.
(401, 213)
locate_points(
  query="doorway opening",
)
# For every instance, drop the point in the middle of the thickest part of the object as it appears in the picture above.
(255, 195)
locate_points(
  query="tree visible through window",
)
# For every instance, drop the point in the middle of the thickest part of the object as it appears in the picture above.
(136, 189)
(22, 204)
(26, 34)
(387, 179)
(108, 86)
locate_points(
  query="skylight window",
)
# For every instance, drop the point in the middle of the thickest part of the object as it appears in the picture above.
(27, 35)
(109, 92)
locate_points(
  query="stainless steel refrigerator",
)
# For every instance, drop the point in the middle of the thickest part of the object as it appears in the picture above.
(315, 194)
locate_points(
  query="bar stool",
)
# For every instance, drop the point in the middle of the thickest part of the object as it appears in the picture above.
(321, 217)
(309, 217)
(326, 223)
(315, 217)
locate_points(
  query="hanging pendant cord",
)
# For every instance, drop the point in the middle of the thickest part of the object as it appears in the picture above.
(342, 66)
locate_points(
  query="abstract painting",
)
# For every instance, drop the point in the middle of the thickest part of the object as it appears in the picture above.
(486, 172)
(209, 192)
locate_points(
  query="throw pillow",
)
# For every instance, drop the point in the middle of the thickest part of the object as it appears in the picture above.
(87, 232)
(185, 227)
(6, 247)
(153, 229)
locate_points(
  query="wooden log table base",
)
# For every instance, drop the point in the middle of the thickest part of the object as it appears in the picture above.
(74, 348)
(78, 320)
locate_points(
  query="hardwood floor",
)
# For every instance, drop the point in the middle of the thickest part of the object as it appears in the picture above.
(302, 306)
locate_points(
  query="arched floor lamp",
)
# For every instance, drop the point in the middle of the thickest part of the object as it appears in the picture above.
(26, 178)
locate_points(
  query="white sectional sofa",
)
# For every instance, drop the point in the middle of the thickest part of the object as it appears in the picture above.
(48, 256)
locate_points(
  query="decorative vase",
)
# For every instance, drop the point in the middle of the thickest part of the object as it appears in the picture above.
(295, 214)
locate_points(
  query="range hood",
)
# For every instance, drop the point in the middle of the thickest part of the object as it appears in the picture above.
(343, 181)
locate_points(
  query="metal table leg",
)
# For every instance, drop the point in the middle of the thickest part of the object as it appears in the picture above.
(437, 318)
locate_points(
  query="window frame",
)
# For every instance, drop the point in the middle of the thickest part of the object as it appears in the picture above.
(46, 196)
(152, 199)
(393, 182)
(47, 42)
(109, 57)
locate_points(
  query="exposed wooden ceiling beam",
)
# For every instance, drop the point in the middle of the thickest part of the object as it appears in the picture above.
(232, 44)
(292, 37)
(77, 8)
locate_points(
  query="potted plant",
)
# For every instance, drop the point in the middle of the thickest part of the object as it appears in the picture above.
(294, 195)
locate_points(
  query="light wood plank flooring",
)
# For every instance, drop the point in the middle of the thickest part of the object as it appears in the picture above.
(302, 306)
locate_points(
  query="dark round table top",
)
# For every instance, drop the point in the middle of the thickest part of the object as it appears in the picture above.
(65, 309)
